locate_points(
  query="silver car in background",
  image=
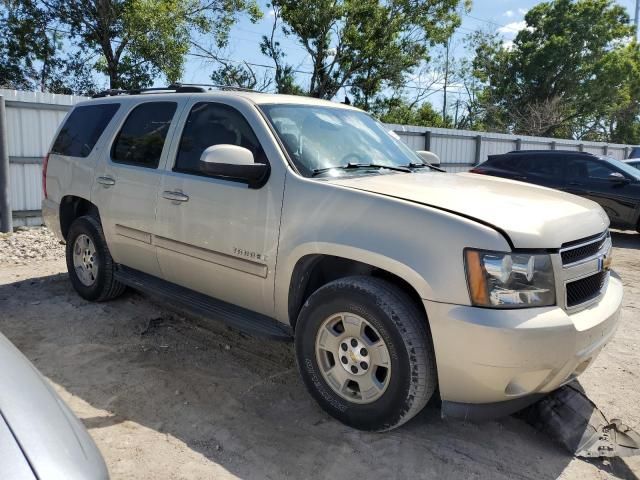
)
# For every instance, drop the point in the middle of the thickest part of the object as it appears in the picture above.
(40, 438)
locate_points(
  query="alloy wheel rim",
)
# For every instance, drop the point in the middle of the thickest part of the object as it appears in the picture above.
(353, 358)
(85, 261)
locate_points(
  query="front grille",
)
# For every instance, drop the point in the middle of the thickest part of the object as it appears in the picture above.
(585, 289)
(583, 249)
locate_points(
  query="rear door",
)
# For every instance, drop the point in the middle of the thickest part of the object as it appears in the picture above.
(127, 182)
(544, 170)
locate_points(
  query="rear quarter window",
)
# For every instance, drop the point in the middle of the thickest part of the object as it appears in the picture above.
(83, 128)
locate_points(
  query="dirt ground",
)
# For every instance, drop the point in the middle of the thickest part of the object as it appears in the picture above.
(169, 397)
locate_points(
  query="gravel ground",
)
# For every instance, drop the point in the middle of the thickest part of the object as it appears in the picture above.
(169, 397)
(28, 245)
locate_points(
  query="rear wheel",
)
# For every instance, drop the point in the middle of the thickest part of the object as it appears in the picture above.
(365, 353)
(89, 263)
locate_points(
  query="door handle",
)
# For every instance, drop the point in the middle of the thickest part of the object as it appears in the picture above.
(575, 184)
(175, 196)
(106, 181)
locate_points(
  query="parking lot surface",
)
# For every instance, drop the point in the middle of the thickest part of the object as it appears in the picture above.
(172, 397)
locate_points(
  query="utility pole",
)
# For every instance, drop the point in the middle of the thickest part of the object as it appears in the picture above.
(635, 20)
(446, 80)
(455, 122)
(6, 220)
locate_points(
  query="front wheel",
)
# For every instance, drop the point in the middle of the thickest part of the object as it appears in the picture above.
(365, 353)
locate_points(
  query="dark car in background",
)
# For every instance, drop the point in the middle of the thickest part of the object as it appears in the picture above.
(615, 185)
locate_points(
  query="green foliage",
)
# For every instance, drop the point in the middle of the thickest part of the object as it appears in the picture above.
(572, 72)
(398, 110)
(132, 42)
(361, 44)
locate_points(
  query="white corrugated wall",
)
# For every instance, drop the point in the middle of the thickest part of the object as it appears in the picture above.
(32, 120)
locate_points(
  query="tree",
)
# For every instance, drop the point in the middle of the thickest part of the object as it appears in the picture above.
(400, 111)
(140, 39)
(130, 41)
(28, 51)
(551, 81)
(360, 44)
(241, 76)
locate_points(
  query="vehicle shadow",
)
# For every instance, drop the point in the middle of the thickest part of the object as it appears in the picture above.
(132, 365)
(626, 239)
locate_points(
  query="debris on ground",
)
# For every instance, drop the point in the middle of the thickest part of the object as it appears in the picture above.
(26, 245)
(568, 416)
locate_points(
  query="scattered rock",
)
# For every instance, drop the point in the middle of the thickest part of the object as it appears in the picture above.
(29, 245)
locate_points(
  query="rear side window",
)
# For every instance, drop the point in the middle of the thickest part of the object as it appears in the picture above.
(83, 128)
(544, 166)
(211, 124)
(504, 162)
(141, 139)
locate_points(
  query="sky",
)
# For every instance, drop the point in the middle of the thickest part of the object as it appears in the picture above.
(504, 16)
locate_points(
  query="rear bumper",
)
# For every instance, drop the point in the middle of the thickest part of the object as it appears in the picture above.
(51, 217)
(498, 361)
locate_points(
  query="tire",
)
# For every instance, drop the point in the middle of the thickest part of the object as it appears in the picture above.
(100, 285)
(394, 319)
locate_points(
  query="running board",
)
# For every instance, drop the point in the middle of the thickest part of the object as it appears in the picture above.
(237, 317)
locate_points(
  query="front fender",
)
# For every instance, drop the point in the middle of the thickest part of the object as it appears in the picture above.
(422, 245)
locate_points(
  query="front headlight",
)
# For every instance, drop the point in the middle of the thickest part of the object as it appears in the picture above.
(509, 280)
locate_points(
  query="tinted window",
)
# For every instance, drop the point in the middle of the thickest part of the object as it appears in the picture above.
(83, 128)
(142, 136)
(583, 169)
(211, 124)
(544, 166)
(504, 162)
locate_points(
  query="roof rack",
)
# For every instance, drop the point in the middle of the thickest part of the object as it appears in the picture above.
(576, 152)
(174, 88)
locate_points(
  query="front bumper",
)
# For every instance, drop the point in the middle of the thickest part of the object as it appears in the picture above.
(486, 356)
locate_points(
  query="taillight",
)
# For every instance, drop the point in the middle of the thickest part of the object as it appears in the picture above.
(45, 163)
(478, 170)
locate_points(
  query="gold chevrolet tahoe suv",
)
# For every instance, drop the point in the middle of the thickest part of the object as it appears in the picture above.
(298, 218)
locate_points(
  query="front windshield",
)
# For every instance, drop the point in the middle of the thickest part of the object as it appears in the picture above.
(629, 170)
(319, 138)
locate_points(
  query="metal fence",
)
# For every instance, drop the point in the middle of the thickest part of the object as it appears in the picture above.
(32, 119)
(460, 150)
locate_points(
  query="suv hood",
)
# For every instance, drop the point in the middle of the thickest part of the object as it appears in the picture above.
(529, 215)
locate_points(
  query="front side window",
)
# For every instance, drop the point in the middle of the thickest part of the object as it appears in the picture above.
(141, 139)
(318, 138)
(83, 128)
(212, 124)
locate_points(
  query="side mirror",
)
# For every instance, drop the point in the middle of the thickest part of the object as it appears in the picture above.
(235, 163)
(617, 177)
(429, 157)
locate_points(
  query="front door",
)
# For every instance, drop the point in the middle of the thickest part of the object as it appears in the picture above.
(127, 183)
(592, 179)
(215, 235)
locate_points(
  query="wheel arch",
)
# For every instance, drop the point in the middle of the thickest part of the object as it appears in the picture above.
(72, 207)
(313, 270)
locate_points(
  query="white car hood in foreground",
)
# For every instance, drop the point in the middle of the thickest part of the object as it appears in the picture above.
(531, 216)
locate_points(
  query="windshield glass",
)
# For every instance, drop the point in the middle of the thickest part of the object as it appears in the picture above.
(626, 168)
(325, 137)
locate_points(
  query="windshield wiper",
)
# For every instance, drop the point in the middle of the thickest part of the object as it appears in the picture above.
(355, 166)
(422, 165)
